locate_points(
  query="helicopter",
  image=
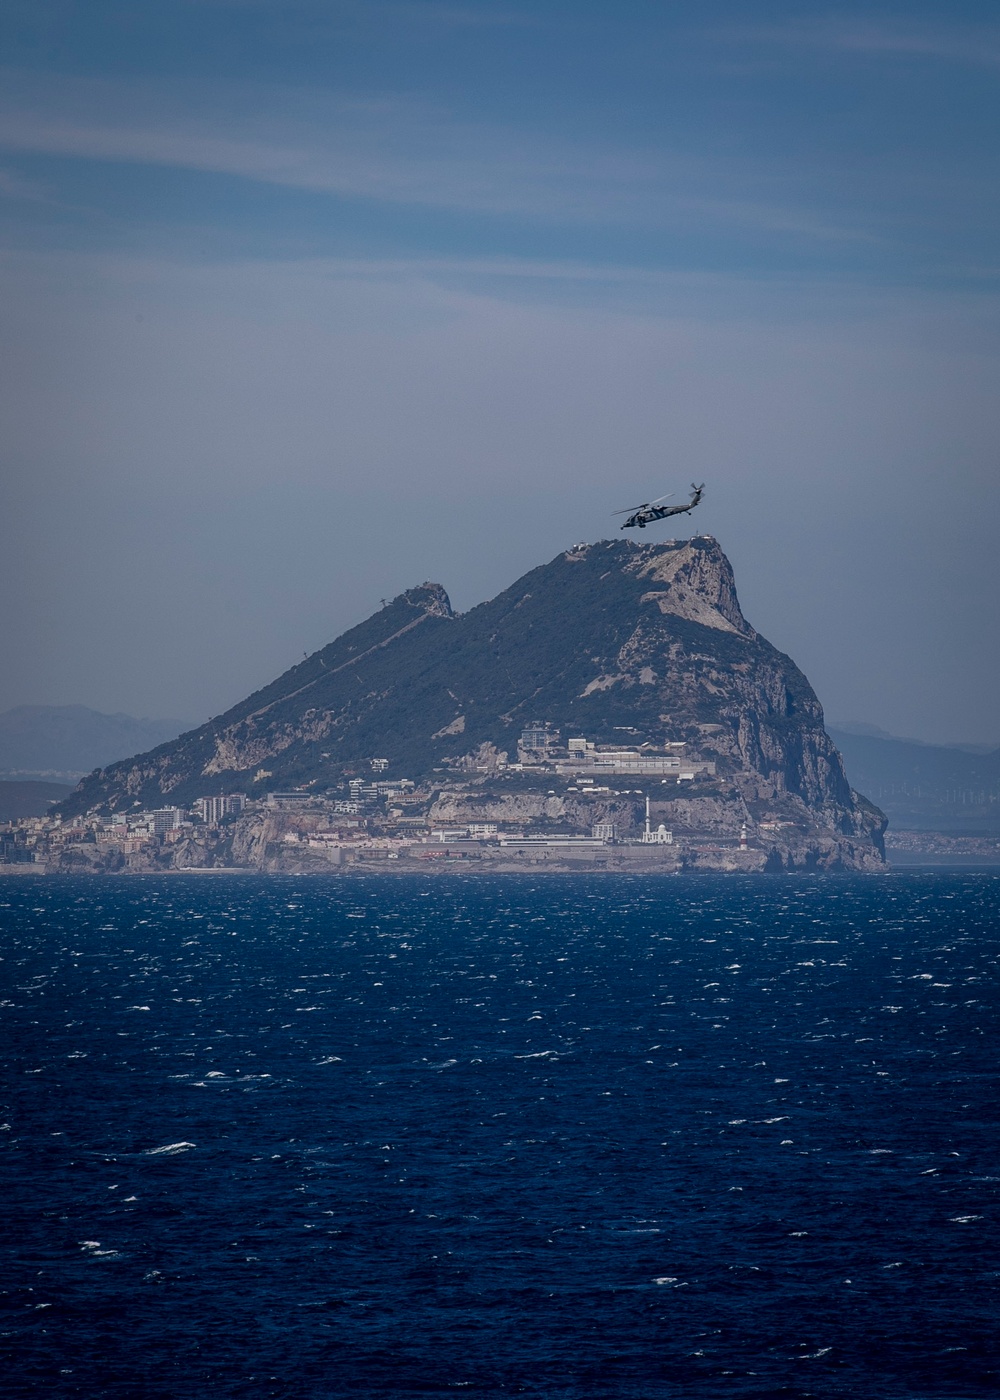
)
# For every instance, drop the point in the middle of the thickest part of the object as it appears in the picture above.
(652, 510)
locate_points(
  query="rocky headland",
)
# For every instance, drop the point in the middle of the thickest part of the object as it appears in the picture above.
(503, 724)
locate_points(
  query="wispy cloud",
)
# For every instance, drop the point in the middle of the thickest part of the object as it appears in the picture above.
(978, 45)
(15, 186)
(402, 152)
(461, 16)
(368, 146)
(456, 167)
(486, 15)
(773, 218)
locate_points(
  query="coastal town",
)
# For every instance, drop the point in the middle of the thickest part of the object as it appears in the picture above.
(562, 802)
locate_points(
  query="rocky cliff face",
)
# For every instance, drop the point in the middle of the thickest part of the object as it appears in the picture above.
(616, 641)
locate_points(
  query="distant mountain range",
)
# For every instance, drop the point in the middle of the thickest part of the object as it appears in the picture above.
(63, 742)
(29, 798)
(923, 787)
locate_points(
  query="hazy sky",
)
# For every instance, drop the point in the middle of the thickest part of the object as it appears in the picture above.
(304, 303)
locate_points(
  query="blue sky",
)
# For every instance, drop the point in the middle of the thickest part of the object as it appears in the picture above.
(307, 302)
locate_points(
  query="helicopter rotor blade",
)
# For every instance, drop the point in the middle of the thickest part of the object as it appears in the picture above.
(663, 498)
(644, 506)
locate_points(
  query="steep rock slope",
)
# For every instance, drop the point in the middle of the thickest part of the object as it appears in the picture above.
(616, 641)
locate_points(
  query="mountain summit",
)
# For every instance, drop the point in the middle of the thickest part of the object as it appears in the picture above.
(641, 644)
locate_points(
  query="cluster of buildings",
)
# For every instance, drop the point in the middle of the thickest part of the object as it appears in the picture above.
(38, 840)
(372, 811)
(540, 747)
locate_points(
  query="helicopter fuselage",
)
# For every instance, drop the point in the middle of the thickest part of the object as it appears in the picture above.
(646, 515)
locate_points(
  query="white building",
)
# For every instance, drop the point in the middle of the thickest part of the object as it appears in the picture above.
(585, 757)
(660, 837)
(213, 809)
(534, 842)
(538, 737)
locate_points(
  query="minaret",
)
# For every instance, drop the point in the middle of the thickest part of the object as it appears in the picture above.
(648, 831)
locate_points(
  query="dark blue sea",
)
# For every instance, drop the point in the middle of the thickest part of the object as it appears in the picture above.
(564, 1137)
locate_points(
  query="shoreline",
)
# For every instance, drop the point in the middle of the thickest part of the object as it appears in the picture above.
(458, 868)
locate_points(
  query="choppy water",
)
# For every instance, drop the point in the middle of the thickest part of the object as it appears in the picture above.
(562, 1137)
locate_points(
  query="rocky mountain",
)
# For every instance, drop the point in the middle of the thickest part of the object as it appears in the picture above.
(29, 799)
(928, 787)
(616, 641)
(56, 741)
